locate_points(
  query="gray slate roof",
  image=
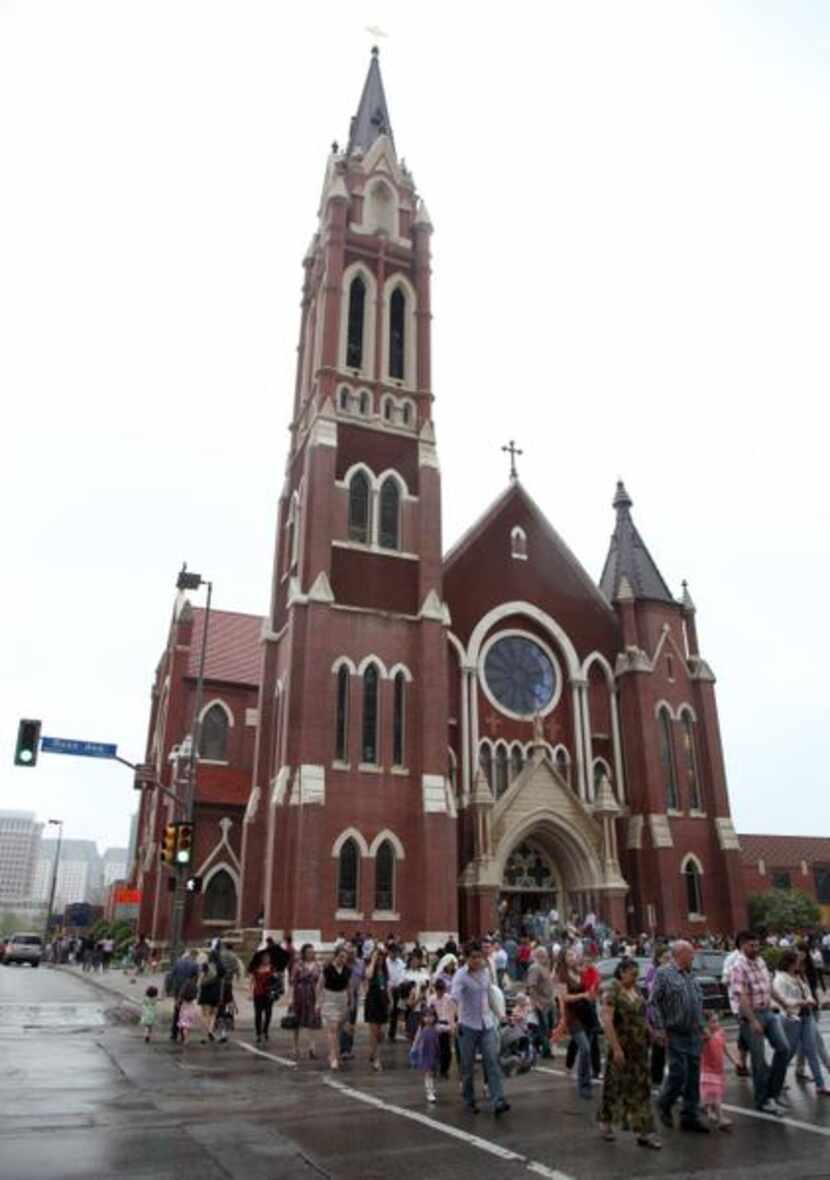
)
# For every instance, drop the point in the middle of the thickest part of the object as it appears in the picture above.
(372, 118)
(628, 557)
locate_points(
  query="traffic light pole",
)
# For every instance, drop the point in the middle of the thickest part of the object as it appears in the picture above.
(188, 798)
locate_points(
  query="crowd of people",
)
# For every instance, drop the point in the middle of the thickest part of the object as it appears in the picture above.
(516, 996)
(507, 1002)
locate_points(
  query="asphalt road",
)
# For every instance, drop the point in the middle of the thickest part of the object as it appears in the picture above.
(81, 1095)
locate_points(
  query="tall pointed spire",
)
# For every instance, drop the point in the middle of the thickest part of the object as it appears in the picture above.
(372, 118)
(629, 558)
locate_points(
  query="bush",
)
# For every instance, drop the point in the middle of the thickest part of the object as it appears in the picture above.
(783, 910)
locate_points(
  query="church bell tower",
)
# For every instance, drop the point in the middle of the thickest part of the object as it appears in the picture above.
(351, 820)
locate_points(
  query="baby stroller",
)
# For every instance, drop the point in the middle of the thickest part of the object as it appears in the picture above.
(517, 1053)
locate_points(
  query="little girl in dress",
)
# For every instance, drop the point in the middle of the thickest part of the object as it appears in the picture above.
(712, 1066)
(188, 1010)
(149, 1011)
(425, 1051)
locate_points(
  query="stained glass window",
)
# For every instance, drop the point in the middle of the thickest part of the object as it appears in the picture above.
(520, 675)
(213, 736)
(385, 877)
(347, 877)
(354, 340)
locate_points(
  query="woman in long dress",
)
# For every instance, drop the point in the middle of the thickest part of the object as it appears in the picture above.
(626, 1091)
(305, 976)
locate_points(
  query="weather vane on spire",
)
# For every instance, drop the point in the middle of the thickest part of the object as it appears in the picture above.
(512, 450)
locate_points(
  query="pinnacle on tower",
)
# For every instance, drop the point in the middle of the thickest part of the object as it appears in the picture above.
(372, 118)
(629, 558)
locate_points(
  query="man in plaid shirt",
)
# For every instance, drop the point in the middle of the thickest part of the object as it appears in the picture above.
(750, 999)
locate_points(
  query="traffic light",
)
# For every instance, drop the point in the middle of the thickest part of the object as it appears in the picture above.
(184, 844)
(168, 844)
(193, 885)
(28, 741)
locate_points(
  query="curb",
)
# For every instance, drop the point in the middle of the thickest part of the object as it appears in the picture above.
(102, 987)
(243, 1020)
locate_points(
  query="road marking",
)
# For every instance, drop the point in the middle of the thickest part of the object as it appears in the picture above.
(774, 1118)
(261, 1053)
(473, 1140)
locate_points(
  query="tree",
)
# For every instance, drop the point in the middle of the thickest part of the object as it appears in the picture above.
(782, 910)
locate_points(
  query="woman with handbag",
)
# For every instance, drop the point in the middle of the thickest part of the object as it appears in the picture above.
(333, 1000)
(304, 1011)
(262, 978)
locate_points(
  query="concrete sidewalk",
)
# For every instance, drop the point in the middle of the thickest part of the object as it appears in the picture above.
(122, 984)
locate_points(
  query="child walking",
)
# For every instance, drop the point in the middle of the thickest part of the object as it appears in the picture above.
(188, 1010)
(149, 1011)
(425, 1051)
(712, 1067)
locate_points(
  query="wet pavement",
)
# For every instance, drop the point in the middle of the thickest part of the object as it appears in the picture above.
(82, 1096)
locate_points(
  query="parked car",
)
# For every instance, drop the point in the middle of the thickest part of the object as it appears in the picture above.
(708, 967)
(607, 967)
(2, 948)
(24, 948)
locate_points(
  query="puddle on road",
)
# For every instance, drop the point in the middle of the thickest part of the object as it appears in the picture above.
(22, 1017)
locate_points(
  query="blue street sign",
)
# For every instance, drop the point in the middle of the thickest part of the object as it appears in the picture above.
(53, 745)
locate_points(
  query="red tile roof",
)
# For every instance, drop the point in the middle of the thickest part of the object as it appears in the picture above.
(784, 851)
(234, 651)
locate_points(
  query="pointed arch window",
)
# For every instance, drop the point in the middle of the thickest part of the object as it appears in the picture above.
(694, 886)
(385, 877)
(667, 763)
(501, 771)
(341, 724)
(516, 762)
(359, 508)
(690, 759)
(398, 715)
(220, 898)
(390, 514)
(213, 735)
(369, 750)
(357, 313)
(485, 763)
(348, 875)
(397, 329)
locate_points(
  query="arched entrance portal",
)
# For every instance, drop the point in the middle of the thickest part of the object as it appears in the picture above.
(530, 885)
(546, 865)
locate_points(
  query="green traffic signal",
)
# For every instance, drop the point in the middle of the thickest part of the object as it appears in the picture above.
(28, 742)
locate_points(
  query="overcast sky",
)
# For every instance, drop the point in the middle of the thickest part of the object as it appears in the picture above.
(631, 261)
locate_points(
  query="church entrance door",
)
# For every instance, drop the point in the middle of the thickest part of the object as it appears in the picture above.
(531, 888)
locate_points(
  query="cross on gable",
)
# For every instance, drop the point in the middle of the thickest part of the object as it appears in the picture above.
(512, 450)
(493, 723)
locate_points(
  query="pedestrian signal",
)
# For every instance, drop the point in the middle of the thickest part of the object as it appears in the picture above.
(184, 844)
(168, 844)
(193, 885)
(28, 741)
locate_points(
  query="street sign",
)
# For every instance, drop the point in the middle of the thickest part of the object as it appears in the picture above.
(54, 745)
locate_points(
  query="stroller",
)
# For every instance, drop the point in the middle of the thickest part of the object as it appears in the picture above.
(517, 1053)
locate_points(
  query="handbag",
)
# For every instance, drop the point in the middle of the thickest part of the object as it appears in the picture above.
(289, 1021)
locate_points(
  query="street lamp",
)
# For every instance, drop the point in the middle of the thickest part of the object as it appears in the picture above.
(189, 751)
(59, 824)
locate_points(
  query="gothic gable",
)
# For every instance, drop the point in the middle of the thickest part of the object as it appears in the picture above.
(481, 572)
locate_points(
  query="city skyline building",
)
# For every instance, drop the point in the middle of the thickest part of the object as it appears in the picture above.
(20, 843)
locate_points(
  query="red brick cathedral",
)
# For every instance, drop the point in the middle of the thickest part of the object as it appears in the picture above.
(440, 735)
